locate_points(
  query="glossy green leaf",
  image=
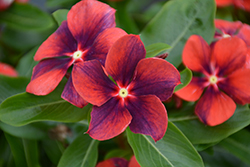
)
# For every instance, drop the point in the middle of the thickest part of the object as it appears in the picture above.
(25, 108)
(81, 153)
(30, 131)
(176, 21)
(165, 152)
(238, 145)
(31, 153)
(27, 63)
(186, 77)
(26, 17)
(154, 49)
(60, 15)
(10, 86)
(198, 133)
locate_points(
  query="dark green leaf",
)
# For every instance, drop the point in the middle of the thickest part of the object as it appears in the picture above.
(54, 150)
(25, 108)
(60, 15)
(198, 133)
(155, 49)
(26, 17)
(178, 20)
(31, 153)
(186, 77)
(81, 153)
(165, 152)
(60, 3)
(10, 86)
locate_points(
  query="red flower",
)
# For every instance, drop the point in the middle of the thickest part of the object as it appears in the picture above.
(223, 3)
(135, 99)
(7, 70)
(87, 34)
(243, 4)
(119, 162)
(4, 4)
(230, 29)
(222, 72)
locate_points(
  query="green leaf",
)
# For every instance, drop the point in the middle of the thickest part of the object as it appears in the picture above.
(27, 132)
(199, 133)
(155, 49)
(54, 150)
(60, 15)
(10, 86)
(118, 153)
(25, 108)
(27, 63)
(26, 17)
(81, 153)
(60, 3)
(165, 152)
(238, 145)
(176, 21)
(186, 77)
(31, 153)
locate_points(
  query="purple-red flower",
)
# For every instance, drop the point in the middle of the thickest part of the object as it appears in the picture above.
(7, 70)
(87, 34)
(119, 162)
(223, 76)
(135, 97)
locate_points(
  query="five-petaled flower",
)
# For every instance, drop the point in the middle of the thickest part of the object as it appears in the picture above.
(222, 69)
(87, 34)
(135, 99)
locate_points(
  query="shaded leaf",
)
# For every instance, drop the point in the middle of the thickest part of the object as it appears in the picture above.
(54, 150)
(154, 49)
(60, 15)
(31, 153)
(186, 77)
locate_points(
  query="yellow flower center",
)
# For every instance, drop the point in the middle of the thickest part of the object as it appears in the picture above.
(123, 92)
(226, 35)
(213, 79)
(77, 55)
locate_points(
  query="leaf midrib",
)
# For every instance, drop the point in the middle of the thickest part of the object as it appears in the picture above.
(88, 152)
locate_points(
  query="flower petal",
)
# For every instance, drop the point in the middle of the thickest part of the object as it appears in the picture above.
(47, 74)
(229, 54)
(227, 27)
(70, 94)
(91, 82)
(196, 54)
(123, 57)
(133, 162)
(244, 34)
(237, 86)
(156, 77)
(243, 4)
(7, 70)
(108, 120)
(222, 3)
(60, 43)
(149, 116)
(113, 162)
(214, 107)
(193, 90)
(87, 19)
(102, 44)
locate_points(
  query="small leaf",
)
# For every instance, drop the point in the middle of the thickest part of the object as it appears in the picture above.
(186, 77)
(165, 152)
(60, 15)
(154, 49)
(26, 17)
(82, 152)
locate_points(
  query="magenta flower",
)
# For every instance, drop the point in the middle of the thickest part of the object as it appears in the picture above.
(135, 99)
(87, 34)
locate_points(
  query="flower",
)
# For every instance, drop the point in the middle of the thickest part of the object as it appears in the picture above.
(119, 162)
(135, 99)
(227, 29)
(223, 3)
(87, 34)
(224, 78)
(242, 4)
(7, 70)
(4, 4)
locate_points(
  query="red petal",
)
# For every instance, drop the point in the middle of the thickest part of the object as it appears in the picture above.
(70, 94)
(193, 90)
(222, 3)
(109, 120)
(237, 86)
(4, 4)
(214, 107)
(244, 34)
(7, 70)
(228, 27)
(243, 4)
(156, 77)
(229, 54)
(92, 83)
(123, 57)
(60, 43)
(196, 54)
(133, 162)
(149, 116)
(247, 64)
(102, 44)
(87, 19)
(113, 162)
(47, 74)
